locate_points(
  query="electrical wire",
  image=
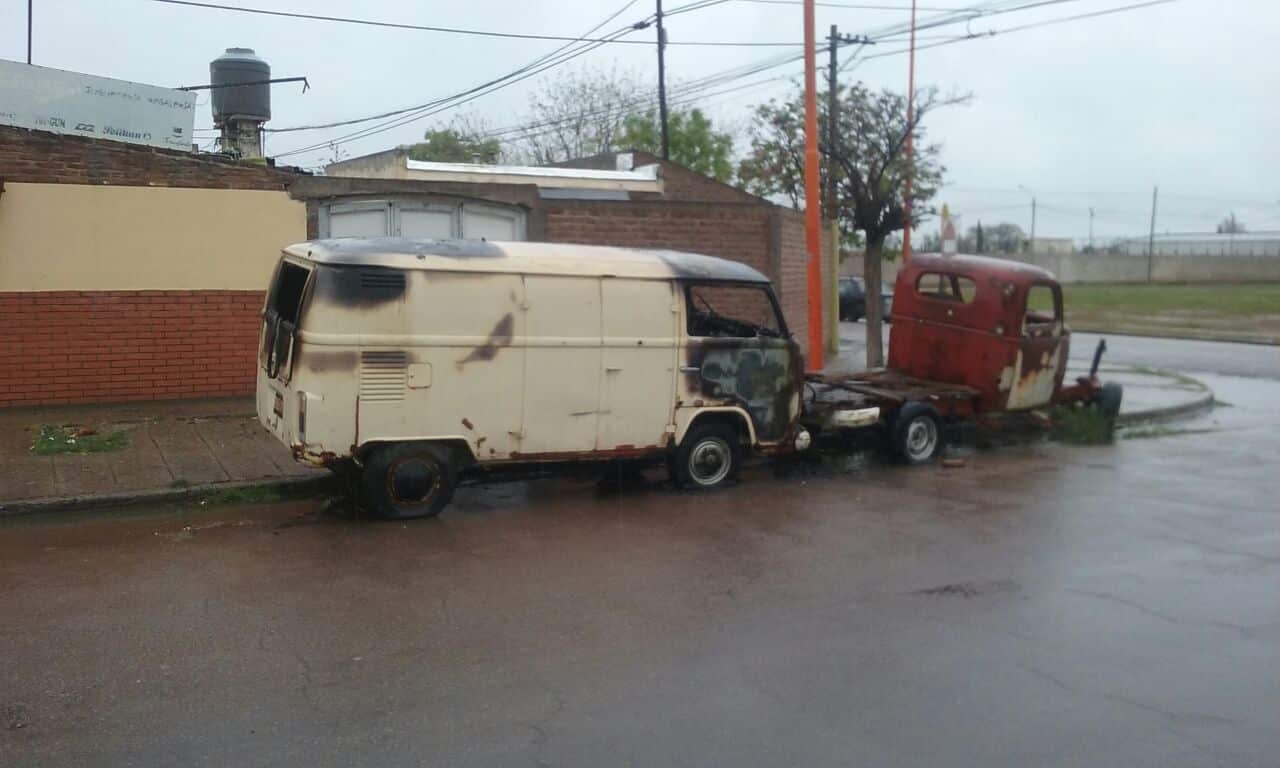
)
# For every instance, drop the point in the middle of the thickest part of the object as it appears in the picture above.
(471, 32)
(703, 84)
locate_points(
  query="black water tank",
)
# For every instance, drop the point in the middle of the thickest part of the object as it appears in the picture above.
(239, 65)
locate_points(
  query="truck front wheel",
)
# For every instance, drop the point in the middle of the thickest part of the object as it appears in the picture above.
(708, 456)
(407, 480)
(916, 433)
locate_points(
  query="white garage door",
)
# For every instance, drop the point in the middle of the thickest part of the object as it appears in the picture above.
(405, 218)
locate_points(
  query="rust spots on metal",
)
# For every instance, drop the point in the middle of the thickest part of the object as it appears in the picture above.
(619, 452)
(467, 423)
(499, 337)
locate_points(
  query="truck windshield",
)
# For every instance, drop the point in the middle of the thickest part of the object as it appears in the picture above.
(723, 310)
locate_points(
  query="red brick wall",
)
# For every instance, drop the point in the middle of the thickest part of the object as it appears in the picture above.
(104, 346)
(739, 232)
(40, 157)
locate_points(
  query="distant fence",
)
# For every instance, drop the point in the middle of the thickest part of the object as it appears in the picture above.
(1130, 267)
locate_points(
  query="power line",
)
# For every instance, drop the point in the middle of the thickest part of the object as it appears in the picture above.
(536, 62)
(541, 64)
(851, 6)
(702, 84)
(463, 31)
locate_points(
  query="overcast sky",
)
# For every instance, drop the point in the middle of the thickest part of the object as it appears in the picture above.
(1090, 113)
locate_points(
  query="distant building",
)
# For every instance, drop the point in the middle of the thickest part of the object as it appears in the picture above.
(1052, 245)
(1206, 244)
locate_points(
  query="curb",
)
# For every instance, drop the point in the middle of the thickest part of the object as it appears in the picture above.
(1183, 335)
(1202, 403)
(131, 498)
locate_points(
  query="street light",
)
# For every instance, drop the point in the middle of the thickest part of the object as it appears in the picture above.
(1031, 243)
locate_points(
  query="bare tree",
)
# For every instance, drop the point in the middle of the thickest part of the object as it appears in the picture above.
(870, 166)
(579, 113)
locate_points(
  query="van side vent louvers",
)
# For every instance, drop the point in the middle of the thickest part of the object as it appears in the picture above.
(382, 280)
(383, 376)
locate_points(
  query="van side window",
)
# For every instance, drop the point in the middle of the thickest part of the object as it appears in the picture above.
(730, 310)
(1044, 312)
(943, 287)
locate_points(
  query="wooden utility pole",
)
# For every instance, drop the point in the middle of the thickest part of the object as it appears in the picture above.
(812, 198)
(662, 84)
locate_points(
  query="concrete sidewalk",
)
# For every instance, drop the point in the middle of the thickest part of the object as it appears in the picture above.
(170, 448)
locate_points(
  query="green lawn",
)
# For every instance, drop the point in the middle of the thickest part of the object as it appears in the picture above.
(1245, 311)
(1224, 299)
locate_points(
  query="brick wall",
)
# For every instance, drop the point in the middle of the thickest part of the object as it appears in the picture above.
(735, 232)
(43, 157)
(769, 238)
(105, 346)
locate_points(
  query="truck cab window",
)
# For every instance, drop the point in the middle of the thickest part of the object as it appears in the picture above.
(1043, 315)
(726, 310)
(943, 287)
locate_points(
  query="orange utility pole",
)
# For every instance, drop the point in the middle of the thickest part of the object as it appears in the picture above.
(812, 206)
(911, 102)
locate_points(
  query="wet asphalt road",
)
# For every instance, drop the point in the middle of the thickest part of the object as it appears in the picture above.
(1043, 605)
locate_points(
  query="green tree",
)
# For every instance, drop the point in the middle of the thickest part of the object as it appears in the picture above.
(694, 141)
(869, 165)
(456, 145)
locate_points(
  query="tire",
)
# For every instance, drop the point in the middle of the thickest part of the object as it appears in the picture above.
(708, 457)
(402, 481)
(1108, 400)
(916, 434)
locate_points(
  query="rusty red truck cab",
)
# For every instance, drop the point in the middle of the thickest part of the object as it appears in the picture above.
(971, 336)
(993, 325)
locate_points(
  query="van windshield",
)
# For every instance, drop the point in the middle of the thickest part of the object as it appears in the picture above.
(280, 320)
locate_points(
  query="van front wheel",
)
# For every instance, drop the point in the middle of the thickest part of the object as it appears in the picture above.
(708, 456)
(407, 480)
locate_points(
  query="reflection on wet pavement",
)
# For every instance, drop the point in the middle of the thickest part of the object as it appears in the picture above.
(1040, 605)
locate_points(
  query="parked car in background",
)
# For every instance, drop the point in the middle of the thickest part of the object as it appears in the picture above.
(853, 299)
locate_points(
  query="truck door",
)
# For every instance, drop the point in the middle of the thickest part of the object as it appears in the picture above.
(637, 389)
(738, 353)
(1041, 358)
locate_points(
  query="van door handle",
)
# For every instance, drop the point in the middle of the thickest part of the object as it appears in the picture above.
(690, 369)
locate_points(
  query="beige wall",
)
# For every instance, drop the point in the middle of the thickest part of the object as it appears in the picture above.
(66, 237)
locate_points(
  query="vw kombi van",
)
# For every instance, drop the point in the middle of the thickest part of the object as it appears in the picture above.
(410, 361)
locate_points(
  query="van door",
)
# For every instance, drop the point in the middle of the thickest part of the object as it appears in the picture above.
(562, 365)
(738, 353)
(637, 391)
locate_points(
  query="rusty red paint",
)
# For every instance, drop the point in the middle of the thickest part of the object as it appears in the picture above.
(975, 343)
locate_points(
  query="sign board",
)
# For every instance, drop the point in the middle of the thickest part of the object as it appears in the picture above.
(84, 105)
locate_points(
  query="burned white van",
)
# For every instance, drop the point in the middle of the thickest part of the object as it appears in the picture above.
(411, 361)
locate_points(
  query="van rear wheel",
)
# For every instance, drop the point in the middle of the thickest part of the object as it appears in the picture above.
(407, 480)
(709, 456)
